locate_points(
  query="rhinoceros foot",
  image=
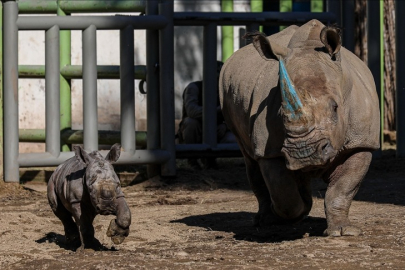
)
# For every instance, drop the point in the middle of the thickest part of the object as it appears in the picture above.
(116, 233)
(343, 231)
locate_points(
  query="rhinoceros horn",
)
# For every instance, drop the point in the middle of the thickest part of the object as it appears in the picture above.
(292, 105)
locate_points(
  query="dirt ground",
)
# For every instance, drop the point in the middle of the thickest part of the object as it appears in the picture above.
(204, 221)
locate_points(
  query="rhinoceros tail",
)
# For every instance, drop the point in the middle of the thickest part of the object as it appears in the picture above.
(52, 199)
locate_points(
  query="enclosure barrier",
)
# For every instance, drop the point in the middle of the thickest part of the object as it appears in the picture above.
(159, 21)
(52, 72)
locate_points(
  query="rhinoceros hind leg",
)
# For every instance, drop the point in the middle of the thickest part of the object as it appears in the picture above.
(344, 182)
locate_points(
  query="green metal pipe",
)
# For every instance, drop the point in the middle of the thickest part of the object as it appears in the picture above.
(69, 136)
(49, 6)
(65, 117)
(316, 5)
(75, 71)
(257, 6)
(227, 32)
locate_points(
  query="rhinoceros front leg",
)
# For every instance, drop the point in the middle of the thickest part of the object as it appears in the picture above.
(119, 228)
(290, 194)
(84, 221)
(259, 188)
(344, 183)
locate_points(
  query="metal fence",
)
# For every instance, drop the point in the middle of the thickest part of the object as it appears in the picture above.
(158, 19)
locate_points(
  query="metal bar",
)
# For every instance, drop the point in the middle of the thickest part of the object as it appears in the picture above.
(127, 89)
(10, 75)
(70, 136)
(373, 43)
(76, 72)
(243, 18)
(167, 88)
(206, 147)
(348, 24)
(152, 82)
(1, 96)
(65, 83)
(90, 140)
(227, 32)
(335, 6)
(210, 87)
(52, 94)
(400, 83)
(48, 6)
(82, 22)
(140, 157)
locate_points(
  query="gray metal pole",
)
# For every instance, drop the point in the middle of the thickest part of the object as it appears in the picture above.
(90, 140)
(348, 24)
(52, 93)
(10, 75)
(210, 85)
(127, 89)
(167, 88)
(335, 6)
(400, 75)
(152, 84)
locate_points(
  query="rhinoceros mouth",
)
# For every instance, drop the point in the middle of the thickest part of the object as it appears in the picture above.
(303, 154)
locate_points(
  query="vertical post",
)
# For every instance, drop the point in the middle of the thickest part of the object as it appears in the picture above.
(227, 32)
(152, 82)
(65, 86)
(90, 119)
(373, 44)
(400, 57)
(127, 70)
(1, 95)
(210, 86)
(335, 6)
(52, 94)
(257, 6)
(348, 24)
(10, 75)
(167, 87)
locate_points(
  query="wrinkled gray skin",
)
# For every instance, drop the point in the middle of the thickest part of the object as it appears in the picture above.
(84, 186)
(331, 136)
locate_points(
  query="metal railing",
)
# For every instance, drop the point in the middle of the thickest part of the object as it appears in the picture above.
(159, 21)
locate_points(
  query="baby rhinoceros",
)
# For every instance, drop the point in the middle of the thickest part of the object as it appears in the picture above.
(84, 186)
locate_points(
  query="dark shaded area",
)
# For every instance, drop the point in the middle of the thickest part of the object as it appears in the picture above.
(241, 225)
(59, 239)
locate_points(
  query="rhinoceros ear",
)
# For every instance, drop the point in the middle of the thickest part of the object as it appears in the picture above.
(267, 50)
(331, 38)
(114, 153)
(81, 154)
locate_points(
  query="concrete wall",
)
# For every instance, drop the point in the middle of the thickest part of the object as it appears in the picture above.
(187, 59)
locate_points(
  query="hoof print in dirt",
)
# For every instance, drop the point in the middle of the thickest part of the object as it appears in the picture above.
(81, 188)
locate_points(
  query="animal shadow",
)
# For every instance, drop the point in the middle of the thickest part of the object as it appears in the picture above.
(241, 225)
(59, 239)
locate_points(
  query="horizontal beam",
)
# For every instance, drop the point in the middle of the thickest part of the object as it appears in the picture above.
(153, 22)
(68, 6)
(244, 18)
(76, 136)
(76, 72)
(140, 157)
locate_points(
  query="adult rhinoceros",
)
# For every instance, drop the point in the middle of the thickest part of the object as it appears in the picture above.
(301, 107)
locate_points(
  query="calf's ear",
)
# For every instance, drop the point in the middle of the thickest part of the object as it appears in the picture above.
(81, 154)
(267, 50)
(114, 153)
